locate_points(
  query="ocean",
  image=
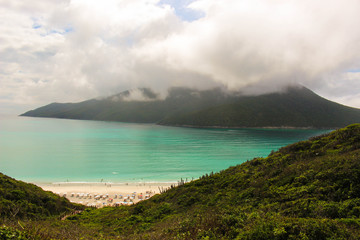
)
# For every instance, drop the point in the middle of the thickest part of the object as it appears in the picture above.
(44, 150)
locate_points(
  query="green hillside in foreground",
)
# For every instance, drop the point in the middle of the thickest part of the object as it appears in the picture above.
(296, 107)
(307, 190)
(20, 200)
(26, 210)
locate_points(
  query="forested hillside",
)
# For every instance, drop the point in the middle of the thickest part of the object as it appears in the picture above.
(295, 107)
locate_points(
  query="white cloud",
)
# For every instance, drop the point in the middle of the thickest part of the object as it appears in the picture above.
(72, 50)
(241, 43)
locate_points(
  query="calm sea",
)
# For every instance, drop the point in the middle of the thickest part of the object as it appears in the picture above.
(53, 150)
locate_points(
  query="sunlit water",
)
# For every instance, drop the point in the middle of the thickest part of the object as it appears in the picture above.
(52, 150)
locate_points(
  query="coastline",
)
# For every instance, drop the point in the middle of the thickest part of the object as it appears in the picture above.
(245, 127)
(195, 126)
(99, 194)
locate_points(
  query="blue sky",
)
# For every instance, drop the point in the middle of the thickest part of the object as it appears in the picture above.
(182, 11)
(354, 70)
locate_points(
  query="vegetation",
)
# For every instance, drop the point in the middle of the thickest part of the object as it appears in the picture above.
(117, 108)
(298, 107)
(307, 190)
(19, 200)
(295, 108)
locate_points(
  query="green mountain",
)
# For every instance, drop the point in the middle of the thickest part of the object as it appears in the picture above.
(118, 108)
(297, 107)
(307, 190)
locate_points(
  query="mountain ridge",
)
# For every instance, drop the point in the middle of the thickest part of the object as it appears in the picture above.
(297, 107)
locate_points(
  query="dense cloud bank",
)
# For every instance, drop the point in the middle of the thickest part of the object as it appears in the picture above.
(76, 49)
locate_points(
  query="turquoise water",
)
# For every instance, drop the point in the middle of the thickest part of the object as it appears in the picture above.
(52, 150)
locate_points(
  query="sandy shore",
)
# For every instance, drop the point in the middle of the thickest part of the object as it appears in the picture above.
(105, 194)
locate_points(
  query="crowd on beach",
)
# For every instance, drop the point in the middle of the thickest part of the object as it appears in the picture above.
(102, 200)
(100, 194)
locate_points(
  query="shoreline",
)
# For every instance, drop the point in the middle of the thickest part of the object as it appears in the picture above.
(244, 127)
(195, 126)
(100, 194)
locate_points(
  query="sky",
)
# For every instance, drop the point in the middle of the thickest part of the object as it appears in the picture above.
(73, 50)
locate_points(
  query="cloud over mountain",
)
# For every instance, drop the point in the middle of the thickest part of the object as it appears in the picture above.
(76, 49)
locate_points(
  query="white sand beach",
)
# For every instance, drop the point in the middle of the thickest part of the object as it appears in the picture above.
(105, 194)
